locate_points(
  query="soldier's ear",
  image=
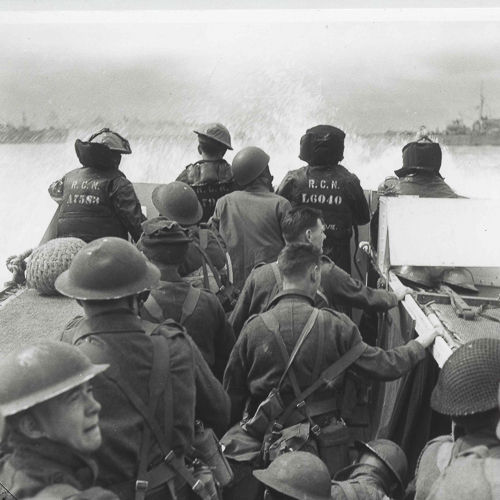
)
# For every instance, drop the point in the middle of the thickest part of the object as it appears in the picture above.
(30, 427)
(308, 235)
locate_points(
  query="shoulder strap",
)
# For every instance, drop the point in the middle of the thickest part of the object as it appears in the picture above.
(349, 490)
(444, 455)
(277, 275)
(190, 303)
(324, 297)
(154, 309)
(203, 239)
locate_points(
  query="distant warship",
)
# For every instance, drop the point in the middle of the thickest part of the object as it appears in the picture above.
(25, 134)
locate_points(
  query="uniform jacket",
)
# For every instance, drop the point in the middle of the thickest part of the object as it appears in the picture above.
(196, 392)
(256, 365)
(442, 452)
(361, 485)
(95, 203)
(249, 221)
(336, 192)
(37, 467)
(211, 180)
(336, 285)
(207, 325)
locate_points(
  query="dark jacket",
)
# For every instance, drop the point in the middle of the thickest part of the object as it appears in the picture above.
(95, 202)
(210, 180)
(339, 195)
(250, 223)
(46, 468)
(336, 285)
(442, 452)
(361, 485)
(207, 325)
(256, 365)
(196, 392)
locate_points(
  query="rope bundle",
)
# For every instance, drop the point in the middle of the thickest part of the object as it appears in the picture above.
(48, 261)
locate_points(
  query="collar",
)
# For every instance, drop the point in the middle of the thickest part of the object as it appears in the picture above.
(112, 322)
(291, 292)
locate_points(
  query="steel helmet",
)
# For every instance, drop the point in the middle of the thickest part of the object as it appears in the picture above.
(468, 382)
(421, 155)
(388, 452)
(112, 140)
(39, 372)
(414, 274)
(217, 132)
(107, 268)
(468, 477)
(299, 475)
(178, 202)
(248, 164)
(460, 277)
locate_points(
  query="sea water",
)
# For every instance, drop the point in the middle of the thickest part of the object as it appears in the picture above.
(27, 170)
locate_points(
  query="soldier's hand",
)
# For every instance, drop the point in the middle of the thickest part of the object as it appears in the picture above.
(401, 292)
(427, 338)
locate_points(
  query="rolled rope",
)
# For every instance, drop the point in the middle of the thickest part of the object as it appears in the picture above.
(48, 261)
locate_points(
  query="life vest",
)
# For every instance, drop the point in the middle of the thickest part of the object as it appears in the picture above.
(85, 211)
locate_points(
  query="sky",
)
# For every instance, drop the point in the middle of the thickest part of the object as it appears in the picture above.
(368, 70)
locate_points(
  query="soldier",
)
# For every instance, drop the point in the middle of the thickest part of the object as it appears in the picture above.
(178, 202)
(257, 362)
(378, 474)
(305, 224)
(106, 278)
(328, 186)
(165, 244)
(249, 221)
(211, 177)
(298, 475)
(97, 199)
(52, 424)
(467, 391)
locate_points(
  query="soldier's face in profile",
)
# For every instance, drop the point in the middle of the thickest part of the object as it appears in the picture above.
(316, 235)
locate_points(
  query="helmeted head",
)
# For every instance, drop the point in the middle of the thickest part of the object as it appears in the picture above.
(215, 132)
(177, 201)
(299, 475)
(322, 145)
(303, 224)
(422, 156)
(461, 278)
(163, 241)
(468, 382)
(107, 268)
(248, 164)
(103, 149)
(382, 454)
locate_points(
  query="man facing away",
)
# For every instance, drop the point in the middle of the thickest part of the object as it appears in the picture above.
(211, 177)
(303, 224)
(249, 221)
(106, 277)
(328, 186)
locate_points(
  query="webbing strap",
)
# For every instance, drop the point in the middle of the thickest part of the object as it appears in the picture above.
(190, 303)
(154, 309)
(320, 348)
(277, 276)
(349, 490)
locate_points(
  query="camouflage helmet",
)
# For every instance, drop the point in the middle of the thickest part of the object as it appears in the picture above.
(459, 277)
(217, 132)
(468, 382)
(469, 477)
(39, 372)
(299, 475)
(112, 140)
(107, 268)
(414, 274)
(178, 202)
(248, 164)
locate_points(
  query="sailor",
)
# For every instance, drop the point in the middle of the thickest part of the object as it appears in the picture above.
(178, 202)
(258, 362)
(97, 199)
(328, 186)
(52, 424)
(165, 244)
(249, 221)
(378, 474)
(305, 224)
(419, 176)
(211, 177)
(299, 475)
(111, 330)
(467, 391)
